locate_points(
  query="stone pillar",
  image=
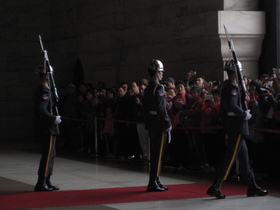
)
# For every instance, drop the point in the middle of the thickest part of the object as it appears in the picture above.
(270, 57)
(241, 5)
(246, 27)
(247, 30)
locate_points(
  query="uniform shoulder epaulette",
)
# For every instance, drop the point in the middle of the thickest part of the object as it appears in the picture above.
(159, 88)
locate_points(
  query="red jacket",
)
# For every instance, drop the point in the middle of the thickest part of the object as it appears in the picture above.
(210, 116)
(192, 116)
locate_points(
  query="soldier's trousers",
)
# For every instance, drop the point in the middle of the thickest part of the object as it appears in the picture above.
(48, 152)
(236, 148)
(157, 143)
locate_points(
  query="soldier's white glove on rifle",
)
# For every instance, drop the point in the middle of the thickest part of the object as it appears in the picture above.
(248, 115)
(169, 137)
(57, 120)
(168, 129)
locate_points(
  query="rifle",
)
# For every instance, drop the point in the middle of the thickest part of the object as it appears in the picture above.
(238, 71)
(49, 70)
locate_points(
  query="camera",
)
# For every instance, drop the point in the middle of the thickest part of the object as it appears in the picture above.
(262, 90)
(274, 73)
(192, 72)
(216, 83)
(208, 97)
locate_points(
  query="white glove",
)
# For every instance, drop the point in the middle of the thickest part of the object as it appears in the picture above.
(248, 115)
(169, 137)
(57, 120)
(168, 129)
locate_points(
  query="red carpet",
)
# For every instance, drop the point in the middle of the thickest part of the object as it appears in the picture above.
(112, 195)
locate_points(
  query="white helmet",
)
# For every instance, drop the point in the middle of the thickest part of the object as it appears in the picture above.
(155, 65)
(230, 66)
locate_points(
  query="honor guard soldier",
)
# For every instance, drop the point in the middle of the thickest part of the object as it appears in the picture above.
(47, 128)
(235, 120)
(157, 122)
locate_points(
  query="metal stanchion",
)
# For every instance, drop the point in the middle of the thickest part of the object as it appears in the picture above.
(95, 136)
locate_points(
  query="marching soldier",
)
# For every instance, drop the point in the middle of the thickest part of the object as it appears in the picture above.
(47, 129)
(157, 122)
(235, 119)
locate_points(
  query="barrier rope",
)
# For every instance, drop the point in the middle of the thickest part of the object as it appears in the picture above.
(94, 122)
(177, 128)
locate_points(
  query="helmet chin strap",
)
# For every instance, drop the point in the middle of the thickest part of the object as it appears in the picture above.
(158, 76)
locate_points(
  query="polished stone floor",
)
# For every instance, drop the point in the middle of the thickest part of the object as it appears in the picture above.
(19, 163)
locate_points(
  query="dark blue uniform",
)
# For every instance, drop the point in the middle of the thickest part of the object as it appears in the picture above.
(157, 121)
(45, 128)
(236, 127)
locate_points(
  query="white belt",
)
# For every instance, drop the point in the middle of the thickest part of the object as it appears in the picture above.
(231, 114)
(153, 112)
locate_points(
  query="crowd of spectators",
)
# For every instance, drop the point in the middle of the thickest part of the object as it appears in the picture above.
(193, 104)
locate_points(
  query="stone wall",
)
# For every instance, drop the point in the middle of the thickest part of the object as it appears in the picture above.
(20, 24)
(113, 40)
(115, 43)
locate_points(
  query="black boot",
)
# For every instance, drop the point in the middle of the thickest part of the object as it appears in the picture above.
(50, 185)
(154, 187)
(254, 189)
(41, 185)
(216, 192)
(161, 185)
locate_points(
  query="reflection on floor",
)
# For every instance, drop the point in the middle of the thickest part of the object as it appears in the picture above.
(74, 171)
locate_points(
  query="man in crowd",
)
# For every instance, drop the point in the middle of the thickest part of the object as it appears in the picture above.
(170, 83)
